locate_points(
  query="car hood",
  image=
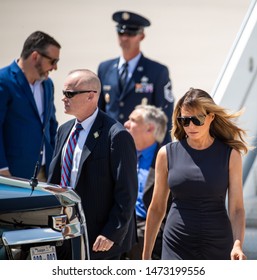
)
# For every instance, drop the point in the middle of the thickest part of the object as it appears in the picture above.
(16, 195)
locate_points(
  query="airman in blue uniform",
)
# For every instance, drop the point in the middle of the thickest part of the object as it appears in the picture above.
(146, 81)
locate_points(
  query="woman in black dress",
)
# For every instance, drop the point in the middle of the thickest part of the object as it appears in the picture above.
(200, 169)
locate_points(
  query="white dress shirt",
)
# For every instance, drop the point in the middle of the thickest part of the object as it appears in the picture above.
(38, 94)
(86, 124)
(131, 65)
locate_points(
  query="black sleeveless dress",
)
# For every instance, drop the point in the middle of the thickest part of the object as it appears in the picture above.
(197, 226)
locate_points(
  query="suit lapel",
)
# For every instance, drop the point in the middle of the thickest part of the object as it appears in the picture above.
(24, 86)
(151, 176)
(150, 180)
(136, 76)
(64, 135)
(114, 75)
(91, 141)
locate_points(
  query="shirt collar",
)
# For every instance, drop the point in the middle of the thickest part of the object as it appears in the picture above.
(89, 121)
(131, 63)
(147, 151)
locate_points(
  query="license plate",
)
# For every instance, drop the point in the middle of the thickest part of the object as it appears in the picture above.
(43, 253)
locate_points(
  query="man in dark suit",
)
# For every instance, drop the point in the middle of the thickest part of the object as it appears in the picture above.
(147, 125)
(103, 170)
(27, 113)
(146, 81)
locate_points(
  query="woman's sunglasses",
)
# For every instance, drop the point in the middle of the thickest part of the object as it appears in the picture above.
(196, 120)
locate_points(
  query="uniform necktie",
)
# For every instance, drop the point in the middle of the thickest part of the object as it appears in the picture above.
(68, 157)
(123, 75)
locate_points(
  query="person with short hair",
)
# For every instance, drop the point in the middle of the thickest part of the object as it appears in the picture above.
(100, 165)
(148, 125)
(201, 169)
(132, 79)
(27, 112)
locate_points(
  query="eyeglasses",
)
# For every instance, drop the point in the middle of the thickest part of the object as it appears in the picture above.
(53, 61)
(196, 120)
(128, 33)
(70, 94)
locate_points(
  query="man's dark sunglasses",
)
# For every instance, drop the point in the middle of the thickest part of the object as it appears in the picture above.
(53, 61)
(196, 120)
(128, 33)
(70, 94)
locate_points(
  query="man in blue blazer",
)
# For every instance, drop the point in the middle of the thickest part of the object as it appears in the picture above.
(27, 113)
(103, 167)
(146, 81)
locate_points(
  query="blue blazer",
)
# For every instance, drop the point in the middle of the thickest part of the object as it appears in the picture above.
(149, 84)
(106, 182)
(21, 130)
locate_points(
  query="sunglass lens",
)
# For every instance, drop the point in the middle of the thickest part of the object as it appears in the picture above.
(128, 33)
(68, 94)
(196, 121)
(185, 121)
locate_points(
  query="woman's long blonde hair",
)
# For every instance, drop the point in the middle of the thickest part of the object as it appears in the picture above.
(223, 126)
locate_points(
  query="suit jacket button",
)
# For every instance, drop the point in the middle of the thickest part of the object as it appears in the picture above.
(121, 116)
(121, 104)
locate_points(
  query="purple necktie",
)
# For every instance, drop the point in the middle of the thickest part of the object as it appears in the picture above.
(67, 161)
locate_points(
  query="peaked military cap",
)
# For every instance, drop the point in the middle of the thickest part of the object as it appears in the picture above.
(129, 23)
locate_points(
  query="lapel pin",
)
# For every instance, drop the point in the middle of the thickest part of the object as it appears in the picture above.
(96, 134)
